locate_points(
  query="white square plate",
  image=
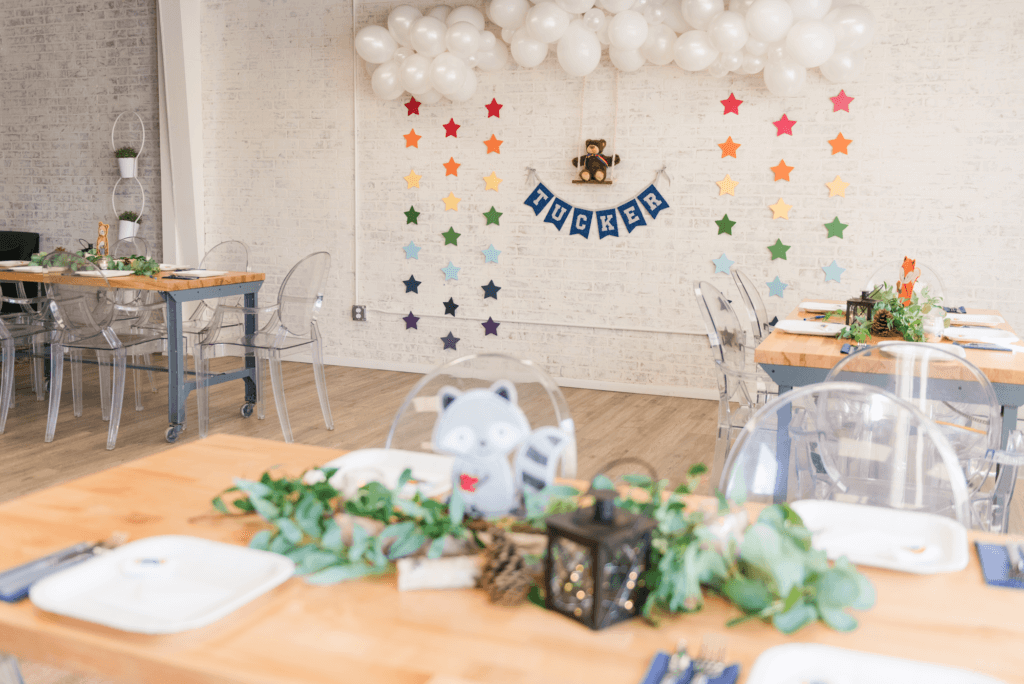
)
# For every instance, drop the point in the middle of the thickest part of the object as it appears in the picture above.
(908, 541)
(800, 663)
(201, 273)
(12, 264)
(37, 269)
(975, 319)
(809, 328)
(105, 272)
(171, 267)
(983, 335)
(431, 473)
(819, 307)
(162, 585)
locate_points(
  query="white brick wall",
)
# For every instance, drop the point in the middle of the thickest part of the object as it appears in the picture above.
(67, 69)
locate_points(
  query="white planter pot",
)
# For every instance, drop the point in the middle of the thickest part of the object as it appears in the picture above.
(127, 165)
(126, 229)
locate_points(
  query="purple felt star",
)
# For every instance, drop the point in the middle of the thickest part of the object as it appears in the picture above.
(450, 341)
(410, 321)
(490, 327)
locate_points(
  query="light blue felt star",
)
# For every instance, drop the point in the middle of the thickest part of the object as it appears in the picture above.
(491, 255)
(776, 287)
(833, 271)
(412, 251)
(451, 272)
(722, 264)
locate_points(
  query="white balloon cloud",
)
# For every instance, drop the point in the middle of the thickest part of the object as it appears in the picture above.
(436, 54)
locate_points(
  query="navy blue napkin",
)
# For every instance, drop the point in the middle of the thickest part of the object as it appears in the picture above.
(995, 566)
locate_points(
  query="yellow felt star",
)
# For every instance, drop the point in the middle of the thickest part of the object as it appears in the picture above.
(492, 182)
(412, 180)
(837, 187)
(411, 139)
(729, 148)
(451, 202)
(726, 186)
(780, 209)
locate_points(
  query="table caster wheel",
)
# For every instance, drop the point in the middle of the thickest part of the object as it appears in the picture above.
(246, 410)
(172, 433)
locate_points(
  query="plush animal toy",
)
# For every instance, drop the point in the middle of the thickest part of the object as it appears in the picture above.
(594, 166)
(102, 246)
(908, 277)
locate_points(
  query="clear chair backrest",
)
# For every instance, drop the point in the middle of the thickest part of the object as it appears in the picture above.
(230, 255)
(84, 309)
(847, 442)
(891, 272)
(538, 395)
(130, 246)
(302, 293)
(725, 332)
(753, 303)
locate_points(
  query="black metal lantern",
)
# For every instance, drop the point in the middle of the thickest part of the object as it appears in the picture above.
(863, 306)
(595, 560)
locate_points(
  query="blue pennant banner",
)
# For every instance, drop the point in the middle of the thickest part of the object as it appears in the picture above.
(631, 212)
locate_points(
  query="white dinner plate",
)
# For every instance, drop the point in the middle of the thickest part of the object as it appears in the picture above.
(982, 335)
(105, 272)
(819, 307)
(800, 663)
(12, 264)
(431, 473)
(908, 541)
(201, 273)
(37, 269)
(171, 267)
(809, 327)
(975, 319)
(162, 585)
(950, 348)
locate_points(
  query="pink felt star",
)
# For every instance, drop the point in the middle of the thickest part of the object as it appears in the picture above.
(493, 109)
(731, 104)
(451, 129)
(784, 125)
(841, 101)
(413, 105)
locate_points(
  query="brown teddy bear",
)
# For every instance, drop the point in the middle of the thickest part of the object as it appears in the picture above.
(594, 165)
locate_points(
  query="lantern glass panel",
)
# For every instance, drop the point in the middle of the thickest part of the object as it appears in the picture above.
(623, 587)
(572, 579)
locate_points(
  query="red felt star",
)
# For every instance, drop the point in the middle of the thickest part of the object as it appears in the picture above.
(493, 109)
(468, 482)
(731, 105)
(784, 125)
(841, 101)
(451, 129)
(413, 105)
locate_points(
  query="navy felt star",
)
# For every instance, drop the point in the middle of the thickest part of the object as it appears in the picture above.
(450, 341)
(410, 321)
(490, 290)
(412, 285)
(450, 306)
(490, 327)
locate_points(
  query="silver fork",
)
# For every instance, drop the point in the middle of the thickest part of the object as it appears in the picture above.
(710, 661)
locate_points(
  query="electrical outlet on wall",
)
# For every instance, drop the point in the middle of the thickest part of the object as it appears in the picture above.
(359, 313)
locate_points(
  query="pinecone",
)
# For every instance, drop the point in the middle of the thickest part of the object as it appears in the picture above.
(880, 324)
(504, 576)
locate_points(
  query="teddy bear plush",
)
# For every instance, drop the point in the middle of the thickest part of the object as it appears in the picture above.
(594, 166)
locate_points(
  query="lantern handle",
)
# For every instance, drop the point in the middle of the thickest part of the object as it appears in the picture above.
(631, 459)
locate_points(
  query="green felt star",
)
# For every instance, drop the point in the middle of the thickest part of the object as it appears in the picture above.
(492, 216)
(725, 225)
(451, 237)
(412, 216)
(835, 228)
(778, 250)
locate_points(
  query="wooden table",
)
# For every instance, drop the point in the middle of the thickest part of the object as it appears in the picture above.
(176, 292)
(366, 632)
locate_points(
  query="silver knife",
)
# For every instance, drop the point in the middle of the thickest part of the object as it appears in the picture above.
(1016, 561)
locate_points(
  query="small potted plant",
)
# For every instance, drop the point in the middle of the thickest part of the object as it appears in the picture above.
(126, 161)
(129, 224)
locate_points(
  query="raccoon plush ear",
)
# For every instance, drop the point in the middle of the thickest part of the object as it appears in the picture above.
(505, 390)
(446, 396)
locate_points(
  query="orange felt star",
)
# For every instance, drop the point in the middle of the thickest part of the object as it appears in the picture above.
(451, 167)
(411, 139)
(839, 144)
(837, 187)
(493, 145)
(729, 148)
(726, 186)
(780, 209)
(782, 171)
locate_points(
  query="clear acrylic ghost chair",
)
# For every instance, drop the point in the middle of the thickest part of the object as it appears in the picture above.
(958, 398)
(727, 336)
(12, 335)
(846, 442)
(34, 314)
(85, 316)
(891, 272)
(760, 328)
(230, 255)
(537, 394)
(292, 326)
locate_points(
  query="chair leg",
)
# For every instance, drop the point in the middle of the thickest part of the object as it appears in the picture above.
(147, 359)
(6, 380)
(277, 382)
(261, 406)
(76, 382)
(120, 358)
(56, 376)
(137, 382)
(104, 373)
(10, 673)
(38, 377)
(203, 388)
(321, 383)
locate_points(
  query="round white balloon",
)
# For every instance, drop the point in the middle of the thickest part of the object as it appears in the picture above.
(626, 60)
(673, 17)
(375, 44)
(547, 22)
(468, 14)
(627, 30)
(810, 9)
(526, 51)
(694, 52)
(427, 36)
(756, 47)
(614, 6)
(508, 14)
(785, 77)
(416, 74)
(716, 70)
(740, 6)
(507, 35)
(440, 12)
(853, 25)
(430, 97)
(487, 40)
(769, 20)
(810, 42)
(752, 64)
(594, 19)
(602, 34)
(659, 48)
(843, 67)
(731, 61)
(400, 22)
(386, 81)
(493, 59)
(467, 90)
(462, 39)
(728, 32)
(575, 6)
(579, 51)
(448, 73)
(699, 13)
(654, 15)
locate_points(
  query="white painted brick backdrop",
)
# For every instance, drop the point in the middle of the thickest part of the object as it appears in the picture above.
(67, 69)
